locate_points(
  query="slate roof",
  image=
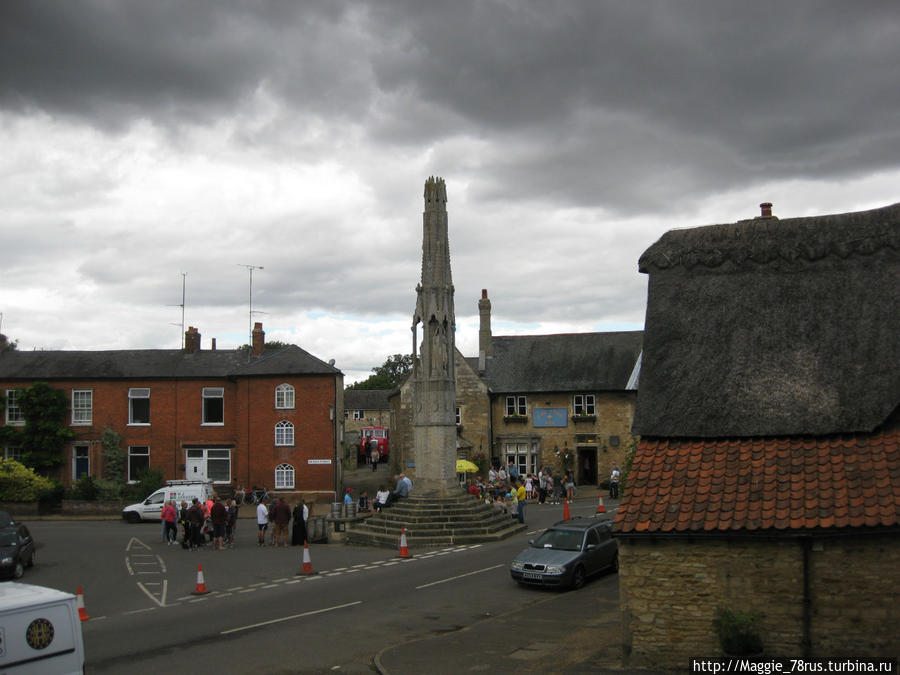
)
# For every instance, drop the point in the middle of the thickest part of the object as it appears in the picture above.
(771, 327)
(367, 399)
(564, 362)
(158, 363)
(763, 485)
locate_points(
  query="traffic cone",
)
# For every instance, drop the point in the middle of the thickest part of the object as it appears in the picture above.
(600, 507)
(79, 602)
(404, 550)
(566, 515)
(201, 585)
(306, 567)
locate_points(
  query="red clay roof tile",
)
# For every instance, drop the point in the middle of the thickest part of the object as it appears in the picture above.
(763, 483)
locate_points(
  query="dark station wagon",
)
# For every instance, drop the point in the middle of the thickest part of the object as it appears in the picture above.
(567, 553)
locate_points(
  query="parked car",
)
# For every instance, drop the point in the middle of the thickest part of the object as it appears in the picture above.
(16, 550)
(567, 553)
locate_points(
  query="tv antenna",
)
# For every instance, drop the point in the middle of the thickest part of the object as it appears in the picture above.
(183, 283)
(250, 269)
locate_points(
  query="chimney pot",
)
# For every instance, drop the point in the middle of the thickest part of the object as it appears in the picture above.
(259, 339)
(766, 209)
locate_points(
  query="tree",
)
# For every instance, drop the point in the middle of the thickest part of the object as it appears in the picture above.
(6, 345)
(389, 374)
(274, 344)
(45, 434)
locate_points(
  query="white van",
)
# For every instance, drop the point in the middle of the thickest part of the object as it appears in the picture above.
(40, 631)
(178, 490)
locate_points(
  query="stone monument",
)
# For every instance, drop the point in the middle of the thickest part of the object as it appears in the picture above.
(434, 374)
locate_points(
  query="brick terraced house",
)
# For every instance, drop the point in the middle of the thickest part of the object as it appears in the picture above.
(267, 417)
(767, 477)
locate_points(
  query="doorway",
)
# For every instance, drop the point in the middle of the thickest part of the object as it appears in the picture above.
(587, 466)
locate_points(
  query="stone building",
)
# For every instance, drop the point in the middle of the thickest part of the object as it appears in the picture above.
(767, 477)
(237, 417)
(560, 400)
(366, 408)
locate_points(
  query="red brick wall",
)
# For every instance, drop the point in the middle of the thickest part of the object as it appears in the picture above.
(250, 417)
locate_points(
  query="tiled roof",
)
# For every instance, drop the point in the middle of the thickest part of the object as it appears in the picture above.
(565, 362)
(153, 363)
(367, 399)
(763, 485)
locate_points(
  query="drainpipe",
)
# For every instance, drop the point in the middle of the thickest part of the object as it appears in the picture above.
(806, 544)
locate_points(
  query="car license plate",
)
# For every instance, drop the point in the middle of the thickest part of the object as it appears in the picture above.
(532, 575)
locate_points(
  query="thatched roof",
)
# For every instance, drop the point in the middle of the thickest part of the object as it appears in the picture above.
(772, 327)
(568, 362)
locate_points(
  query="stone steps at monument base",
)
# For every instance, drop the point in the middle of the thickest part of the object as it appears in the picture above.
(426, 529)
(434, 521)
(361, 537)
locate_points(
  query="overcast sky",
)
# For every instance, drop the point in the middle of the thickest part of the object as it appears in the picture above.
(142, 140)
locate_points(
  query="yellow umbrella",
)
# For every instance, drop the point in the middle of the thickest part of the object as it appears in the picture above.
(465, 466)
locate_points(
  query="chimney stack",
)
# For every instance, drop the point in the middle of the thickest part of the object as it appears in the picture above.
(212, 345)
(485, 346)
(765, 210)
(259, 339)
(191, 340)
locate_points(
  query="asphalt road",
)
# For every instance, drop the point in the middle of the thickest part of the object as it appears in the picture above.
(260, 616)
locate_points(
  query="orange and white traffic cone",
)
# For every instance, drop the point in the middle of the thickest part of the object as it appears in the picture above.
(404, 549)
(201, 585)
(600, 507)
(566, 515)
(306, 567)
(79, 602)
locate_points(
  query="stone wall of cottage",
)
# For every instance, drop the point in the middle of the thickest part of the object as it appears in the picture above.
(473, 402)
(669, 590)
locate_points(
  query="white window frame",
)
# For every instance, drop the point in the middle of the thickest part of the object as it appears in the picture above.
(284, 433)
(82, 414)
(458, 415)
(14, 414)
(139, 394)
(211, 393)
(284, 477)
(359, 415)
(516, 406)
(13, 452)
(284, 397)
(584, 404)
(134, 451)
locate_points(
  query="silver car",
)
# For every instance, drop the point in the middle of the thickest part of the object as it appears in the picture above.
(567, 554)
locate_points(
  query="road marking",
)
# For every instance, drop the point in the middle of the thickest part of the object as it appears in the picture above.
(138, 611)
(136, 542)
(289, 618)
(236, 588)
(460, 576)
(247, 590)
(278, 581)
(161, 601)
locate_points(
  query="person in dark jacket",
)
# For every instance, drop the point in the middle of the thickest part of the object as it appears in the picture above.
(196, 517)
(298, 532)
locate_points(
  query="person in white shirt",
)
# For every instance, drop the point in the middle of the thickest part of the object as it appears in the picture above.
(614, 482)
(262, 522)
(381, 498)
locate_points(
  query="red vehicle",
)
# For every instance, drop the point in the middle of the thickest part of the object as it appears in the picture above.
(370, 437)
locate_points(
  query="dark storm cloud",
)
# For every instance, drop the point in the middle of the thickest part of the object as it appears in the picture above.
(584, 101)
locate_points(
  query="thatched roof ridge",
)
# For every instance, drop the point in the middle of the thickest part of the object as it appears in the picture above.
(772, 327)
(766, 241)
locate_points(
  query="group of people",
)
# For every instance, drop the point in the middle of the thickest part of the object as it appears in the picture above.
(212, 521)
(279, 515)
(546, 486)
(384, 497)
